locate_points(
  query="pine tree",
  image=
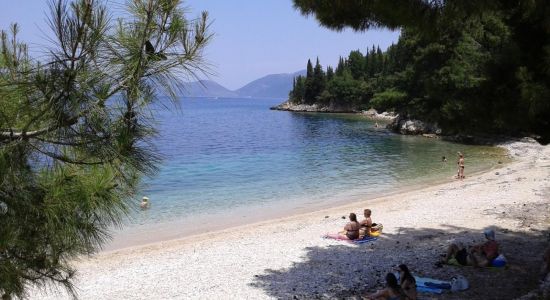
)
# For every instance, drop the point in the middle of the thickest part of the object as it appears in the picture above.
(341, 66)
(356, 64)
(380, 60)
(373, 62)
(319, 80)
(390, 60)
(330, 73)
(291, 93)
(309, 69)
(299, 91)
(75, 134)
(309, 89)
(367, 65)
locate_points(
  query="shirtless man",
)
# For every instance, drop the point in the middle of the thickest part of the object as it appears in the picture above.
(366, 224)
(460, 164)
(480, 255)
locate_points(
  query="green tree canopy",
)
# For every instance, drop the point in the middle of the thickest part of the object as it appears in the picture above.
(418, 14)
(75, 129)
(356, 64)
(471, 66)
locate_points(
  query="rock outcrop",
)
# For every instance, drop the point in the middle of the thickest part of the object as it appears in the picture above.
(413, 127)
(387, 116)
(398, 124)
(299, 107)
(288, 106)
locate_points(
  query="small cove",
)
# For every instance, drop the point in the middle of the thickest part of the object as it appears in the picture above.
(229, 162)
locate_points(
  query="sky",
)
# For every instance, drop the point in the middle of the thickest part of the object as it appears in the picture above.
(251, 38)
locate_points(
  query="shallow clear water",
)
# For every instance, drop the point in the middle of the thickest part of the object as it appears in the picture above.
(228, 155)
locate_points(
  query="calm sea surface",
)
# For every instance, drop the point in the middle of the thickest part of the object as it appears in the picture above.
(235, 157)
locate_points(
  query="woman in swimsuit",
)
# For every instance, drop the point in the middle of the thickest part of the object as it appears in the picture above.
(352, 228)
(392, 291)
(460, 164)
(407, 282)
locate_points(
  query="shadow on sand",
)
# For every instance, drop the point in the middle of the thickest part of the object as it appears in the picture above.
(346, 271)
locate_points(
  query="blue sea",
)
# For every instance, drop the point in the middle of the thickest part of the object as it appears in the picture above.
(233, 161)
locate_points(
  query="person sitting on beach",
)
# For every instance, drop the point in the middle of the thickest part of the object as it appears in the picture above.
(480, 255)
(351, 230)
(367, 226)
(407, 282)
(392, 291)
(144, 203)
(545, 269)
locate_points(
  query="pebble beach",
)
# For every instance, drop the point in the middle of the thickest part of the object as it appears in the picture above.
(287, 258)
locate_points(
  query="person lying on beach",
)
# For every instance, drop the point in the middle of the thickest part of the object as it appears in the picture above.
(480, 255)
(392, 291)
(351, 230)
(407, 282)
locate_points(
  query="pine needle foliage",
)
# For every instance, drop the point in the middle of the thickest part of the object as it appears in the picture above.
(75, 129)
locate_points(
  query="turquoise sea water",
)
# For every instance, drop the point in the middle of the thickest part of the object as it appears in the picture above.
(224, 156)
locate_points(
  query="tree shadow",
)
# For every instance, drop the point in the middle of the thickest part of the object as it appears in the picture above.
(338, 270)
(527, 215)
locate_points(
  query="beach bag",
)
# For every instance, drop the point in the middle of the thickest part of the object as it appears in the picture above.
(377, 227)
(459, 283)
(499, 261)
(376, 230)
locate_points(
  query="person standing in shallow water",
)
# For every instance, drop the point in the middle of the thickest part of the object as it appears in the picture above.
(460, 164)
(144, 203)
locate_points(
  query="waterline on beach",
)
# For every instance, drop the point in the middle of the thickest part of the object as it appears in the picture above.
(211, 221)
(234, 162)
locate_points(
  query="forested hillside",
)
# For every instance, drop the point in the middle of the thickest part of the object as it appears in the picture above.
(483, 72)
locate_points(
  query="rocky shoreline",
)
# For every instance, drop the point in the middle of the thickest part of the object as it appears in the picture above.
(288, 106)
(403, 125)
(371, 113)
(396, 122)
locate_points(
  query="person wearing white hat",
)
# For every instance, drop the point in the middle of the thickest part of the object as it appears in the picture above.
(484, 254)
(480, 255)
(144, 203)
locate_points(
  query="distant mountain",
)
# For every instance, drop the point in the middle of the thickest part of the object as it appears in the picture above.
(207, 88)
(270, 86)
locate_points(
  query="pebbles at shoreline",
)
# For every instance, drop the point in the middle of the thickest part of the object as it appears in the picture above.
(287, 259)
